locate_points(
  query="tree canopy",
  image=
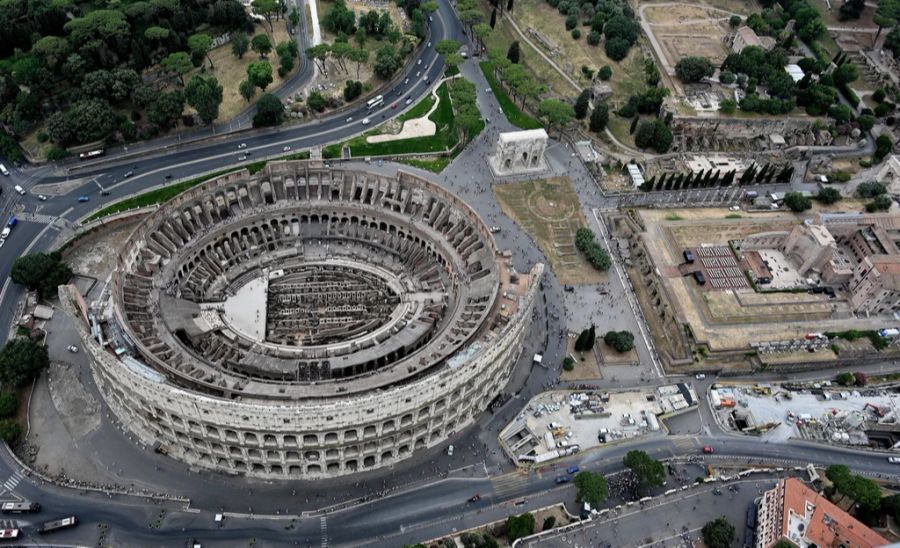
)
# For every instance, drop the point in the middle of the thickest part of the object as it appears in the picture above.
(205, 95)
(694, 69)
(21, 360)
(519, 526)
(718, 533)
(591, 488)
(41, 272)
(621, 341)
(647, 471)
(797, 202)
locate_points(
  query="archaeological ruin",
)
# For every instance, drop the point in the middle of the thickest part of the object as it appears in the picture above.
(306, 322)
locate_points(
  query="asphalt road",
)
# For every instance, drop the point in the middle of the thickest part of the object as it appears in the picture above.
(426, 511)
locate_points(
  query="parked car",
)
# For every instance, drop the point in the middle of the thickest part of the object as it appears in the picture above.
(563, 479)
(707, 449)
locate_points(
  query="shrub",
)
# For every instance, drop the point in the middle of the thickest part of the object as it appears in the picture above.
(9, 404)
(576, 34)
(595, 254)
(549, 523)
(605, 72)
(593, 38)
(797, 202)
(870, 189)
(621, 341)
(880, 203)
(568, 364)
(828, 195)
(10, 431)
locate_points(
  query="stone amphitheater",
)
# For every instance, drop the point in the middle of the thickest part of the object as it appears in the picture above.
(306, 322)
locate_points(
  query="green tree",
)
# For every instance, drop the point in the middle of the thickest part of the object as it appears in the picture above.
(519, 526)
(621, 341)
(582, 104)
(166, 109)
(845, 379)
(718, 533)
(653, 134)
(591, 488)
(352, 90)
(261, 44)
(340, 19)
(797, 202)
(886, 15)
(585, 340)
(883, 146)
(269, 111)
(360, 57)
(870, 189)
(605, 72)
(387, 61)
(734, 21)
(21, 360)
(845, 74)
(10, 431)
(287, 50)
(267, 8)
(647, 471)
(316, 101)
(599, 118)
(556, 113)
(9, 404)
(259, 73)
(514, 53)
(880, 203)
(178, 63)
(199, 45)
(446, 47)
(550, 521)
(41, 272)
(239, 44)
(694, 69)
(828, 195)
(205, 95)
(319, 53)
(247, 90)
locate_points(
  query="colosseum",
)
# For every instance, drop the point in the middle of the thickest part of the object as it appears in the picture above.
(306, 322)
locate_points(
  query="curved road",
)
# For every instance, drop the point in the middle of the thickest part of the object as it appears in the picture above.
(416, 514)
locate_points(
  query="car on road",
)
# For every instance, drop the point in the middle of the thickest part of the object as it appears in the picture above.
(72, 348)
(894, 460)
(708, 449)
(408, 100)
(349, 119)
(393, 105)
(242, 157)
(169, 176)
(572, 469)
(569, 288)
(406, 81)
(418, 74)
(419, 62)
(429, 44)
(84, 199)
(127, 174)
(104, 193)
(475, 498)
(242, 145)
(365, 121)
(286, 148)
(563, 479)
(488, 90)
(42, 198)
(495, 229)
(449, 450)
(700, 376)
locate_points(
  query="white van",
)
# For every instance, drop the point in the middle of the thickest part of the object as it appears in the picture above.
(20, 190)
(3, 170)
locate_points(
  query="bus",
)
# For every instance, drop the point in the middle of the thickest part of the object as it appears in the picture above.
(378, 101)
(57, 525)
(8, 534)
(20, 507)
(90, 154)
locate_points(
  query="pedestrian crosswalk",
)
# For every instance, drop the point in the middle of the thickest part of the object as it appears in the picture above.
(686, 443)
(13, 480)
(323, 521)
(509, 484)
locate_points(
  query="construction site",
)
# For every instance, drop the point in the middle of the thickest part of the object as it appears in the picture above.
(823, 412)
(559, 423)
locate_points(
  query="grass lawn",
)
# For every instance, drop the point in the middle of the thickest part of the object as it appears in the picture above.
(166, 193)
(436, 165)
(444, 138)
(513, 113)
(549, 210)
(418, 110)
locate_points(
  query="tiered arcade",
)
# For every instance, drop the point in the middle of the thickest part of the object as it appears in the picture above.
(308, 322)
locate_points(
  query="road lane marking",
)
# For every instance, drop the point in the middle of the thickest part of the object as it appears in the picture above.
(323, 522)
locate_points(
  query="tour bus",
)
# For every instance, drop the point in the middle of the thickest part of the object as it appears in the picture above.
(90, 154)
(57, 525)
(378, 101)
(20, 507)
(8, 534)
